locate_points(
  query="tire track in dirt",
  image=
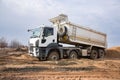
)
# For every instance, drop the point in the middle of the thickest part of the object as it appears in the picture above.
(62, 75)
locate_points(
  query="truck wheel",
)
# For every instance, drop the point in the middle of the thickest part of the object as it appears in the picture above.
(54, 56)
(73, 55)
(62, 31)
(94, 54)
(101, 53)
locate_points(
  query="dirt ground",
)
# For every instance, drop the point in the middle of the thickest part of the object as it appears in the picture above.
(17, 65)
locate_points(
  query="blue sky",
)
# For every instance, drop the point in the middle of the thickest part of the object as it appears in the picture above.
(16, 16)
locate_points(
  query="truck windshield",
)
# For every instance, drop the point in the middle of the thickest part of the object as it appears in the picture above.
(36, 32)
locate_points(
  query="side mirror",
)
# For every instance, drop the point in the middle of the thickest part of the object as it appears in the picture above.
(43, 39)
(43, 35)
(28, 30)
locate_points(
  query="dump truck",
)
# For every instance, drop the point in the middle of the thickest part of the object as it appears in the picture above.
(65, 39)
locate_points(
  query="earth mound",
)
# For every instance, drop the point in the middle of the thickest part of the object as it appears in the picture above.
(113, 52)
(22, 56)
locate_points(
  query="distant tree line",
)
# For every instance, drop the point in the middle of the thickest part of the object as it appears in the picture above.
(3, 42)
(13, 44)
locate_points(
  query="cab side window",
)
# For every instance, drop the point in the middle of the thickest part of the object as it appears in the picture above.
(48, 32)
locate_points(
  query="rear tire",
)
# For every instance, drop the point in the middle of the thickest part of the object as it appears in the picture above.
(94, 54)
(54, 56)
(101, 54)
(73, 55)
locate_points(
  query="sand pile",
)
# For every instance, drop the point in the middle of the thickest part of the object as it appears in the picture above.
(113, 52)
(22, 56)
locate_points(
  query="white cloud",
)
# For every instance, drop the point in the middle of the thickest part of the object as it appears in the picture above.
(35, 7)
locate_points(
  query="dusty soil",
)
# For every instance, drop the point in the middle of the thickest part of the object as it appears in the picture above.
(16, 65)
(113, 52)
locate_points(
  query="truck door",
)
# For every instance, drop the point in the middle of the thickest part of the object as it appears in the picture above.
(48, 36)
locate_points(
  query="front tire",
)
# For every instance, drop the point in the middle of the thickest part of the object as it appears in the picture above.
(53, 56)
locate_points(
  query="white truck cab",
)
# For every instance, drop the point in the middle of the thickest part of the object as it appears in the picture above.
(41, 38)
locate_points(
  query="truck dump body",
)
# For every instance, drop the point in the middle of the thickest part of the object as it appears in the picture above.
(76, 34)
(80, 35)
